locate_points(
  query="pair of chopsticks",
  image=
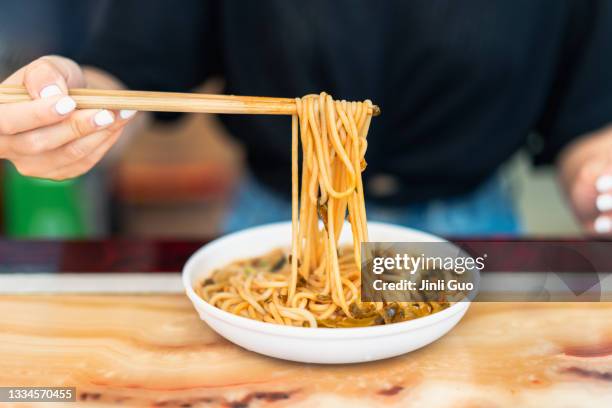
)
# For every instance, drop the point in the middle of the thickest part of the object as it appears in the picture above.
(167, 101)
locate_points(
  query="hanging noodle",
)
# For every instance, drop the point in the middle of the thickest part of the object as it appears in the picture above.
(318, 284)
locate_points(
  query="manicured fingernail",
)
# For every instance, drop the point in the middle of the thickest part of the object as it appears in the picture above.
(104, 118)
(51, 90)
(604, 202)
(604, 183)
(603, 224)
(126, 113)
(65, 105)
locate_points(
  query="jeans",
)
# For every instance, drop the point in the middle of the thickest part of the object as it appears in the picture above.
(487, 210)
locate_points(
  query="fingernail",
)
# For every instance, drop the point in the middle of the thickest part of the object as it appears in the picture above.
(604, 183)
(51, 90)
(603, 225)
(604, 202)
(65, 105)
(104, 118)
(126, 113)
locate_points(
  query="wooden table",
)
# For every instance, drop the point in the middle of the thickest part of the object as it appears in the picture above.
(151, 349)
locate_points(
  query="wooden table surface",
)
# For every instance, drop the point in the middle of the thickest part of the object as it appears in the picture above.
(152, 350)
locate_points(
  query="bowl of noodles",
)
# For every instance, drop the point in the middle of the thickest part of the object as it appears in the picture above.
(292, 290)
(326, 345)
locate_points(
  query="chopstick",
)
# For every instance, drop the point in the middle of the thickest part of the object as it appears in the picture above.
(167, 101)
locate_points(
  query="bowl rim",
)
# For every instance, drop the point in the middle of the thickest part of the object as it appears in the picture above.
(189, 270)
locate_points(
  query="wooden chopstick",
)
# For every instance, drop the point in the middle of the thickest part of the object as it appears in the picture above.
(167, 101)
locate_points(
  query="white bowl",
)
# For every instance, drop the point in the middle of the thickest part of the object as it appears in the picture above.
(312, 345)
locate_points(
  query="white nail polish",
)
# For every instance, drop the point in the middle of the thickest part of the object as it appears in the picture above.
(104, 118)
(51, 90)
(604, 202)
(604, 183)
(65, 105)
(603, 225)
(126, 113)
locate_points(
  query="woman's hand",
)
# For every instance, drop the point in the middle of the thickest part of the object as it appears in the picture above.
(47, 137)
(586, 173)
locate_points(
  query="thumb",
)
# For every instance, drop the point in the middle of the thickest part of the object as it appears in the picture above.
(50, 76)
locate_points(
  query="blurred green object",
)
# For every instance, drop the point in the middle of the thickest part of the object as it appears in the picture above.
(36, 208)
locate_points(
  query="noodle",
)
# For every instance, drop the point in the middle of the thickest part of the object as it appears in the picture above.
(318, 285)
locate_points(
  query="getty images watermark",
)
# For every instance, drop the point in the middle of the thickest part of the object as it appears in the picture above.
(425, 271)
(486, 271)
(398, 264)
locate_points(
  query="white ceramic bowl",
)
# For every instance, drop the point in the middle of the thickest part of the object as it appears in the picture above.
(312, 345)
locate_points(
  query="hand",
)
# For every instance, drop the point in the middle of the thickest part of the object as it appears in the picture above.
(47, 137)
(587, 176)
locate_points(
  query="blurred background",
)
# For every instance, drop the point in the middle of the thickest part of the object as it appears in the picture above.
(172, 180)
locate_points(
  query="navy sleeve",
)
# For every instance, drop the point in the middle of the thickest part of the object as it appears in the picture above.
(581, 96)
